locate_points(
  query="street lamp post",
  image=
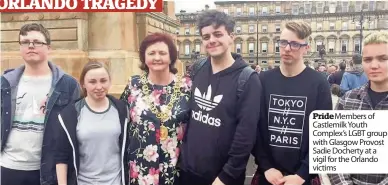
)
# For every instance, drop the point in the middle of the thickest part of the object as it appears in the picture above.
(257, 37)
(361, 21)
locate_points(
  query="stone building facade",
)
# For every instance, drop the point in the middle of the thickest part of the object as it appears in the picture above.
(336, 25)
(113, 38)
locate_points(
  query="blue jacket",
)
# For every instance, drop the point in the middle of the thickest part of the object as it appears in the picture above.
(64, 89)
(352, 80)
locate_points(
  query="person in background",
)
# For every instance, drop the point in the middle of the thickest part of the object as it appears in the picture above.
(253, 66)
(92, 134)
(336, 77)
(258, 69)
(279, 160)
(32, 95)
(371, 96)
(158, 101)
(354, 78)
(335, 93)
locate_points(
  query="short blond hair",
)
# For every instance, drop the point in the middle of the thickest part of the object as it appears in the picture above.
(300, 28)
(376, 38)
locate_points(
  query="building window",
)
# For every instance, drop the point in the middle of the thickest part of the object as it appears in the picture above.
(226, 11)
(197, 31)
(238, 10)
(187, 31)
(332, 26)
(372, 6)
(238, 48)
(251, 61)
(331, 46)
(277, 49)
(332, 7)
(344, 26)
(295, 9)
(198, 47)
(344, 46)
(319, 7)
(307, 8)
(264, 10)
(177, 31)
(277, 61)
(318, 43)
(264, 28)
(263, 61)
(277, 28)
(187, 49)
(277, 9)
(251, 11)
(238, 29)
(358, 6)
(358, 25)
(345, 6)
(319, 26)
(251, 28)
(357, 45)
(264, 47)
(372, 24)
(251, 47)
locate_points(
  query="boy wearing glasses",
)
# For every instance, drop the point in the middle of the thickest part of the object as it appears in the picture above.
(291, 93)
(31, 97)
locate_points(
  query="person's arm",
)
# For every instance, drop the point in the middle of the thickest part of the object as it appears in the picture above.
(344, 84)
(62, 151)
(331, 78)
(340, 179)
(245, 135)
(61, 174)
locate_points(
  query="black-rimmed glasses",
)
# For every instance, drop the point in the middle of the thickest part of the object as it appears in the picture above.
(34, 43)
(293, 45)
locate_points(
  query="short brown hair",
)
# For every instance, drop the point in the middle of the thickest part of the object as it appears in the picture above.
(92, 64)
(152, 39)
(300, 28)
(35, 27)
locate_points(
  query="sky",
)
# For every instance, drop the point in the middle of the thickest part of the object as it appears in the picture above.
(192, 5)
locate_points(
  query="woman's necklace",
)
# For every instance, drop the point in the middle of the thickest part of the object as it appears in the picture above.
(162, 115)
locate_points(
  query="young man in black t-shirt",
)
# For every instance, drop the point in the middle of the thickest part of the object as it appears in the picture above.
(291, 93)
(371, 96)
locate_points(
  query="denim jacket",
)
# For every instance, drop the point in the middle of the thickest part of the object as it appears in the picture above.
(64, 89)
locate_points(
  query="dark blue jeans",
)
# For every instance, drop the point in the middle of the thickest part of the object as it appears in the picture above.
(19, 177)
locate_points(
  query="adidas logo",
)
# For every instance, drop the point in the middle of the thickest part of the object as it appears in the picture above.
(206, 103)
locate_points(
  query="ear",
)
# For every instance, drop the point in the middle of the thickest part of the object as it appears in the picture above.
(307, 49)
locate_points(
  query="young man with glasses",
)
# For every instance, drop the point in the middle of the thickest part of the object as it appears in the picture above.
(31, 97)
(291, 93)
(371, 96)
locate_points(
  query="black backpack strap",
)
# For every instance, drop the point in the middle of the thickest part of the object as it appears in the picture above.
(197, 66)
(243, 78)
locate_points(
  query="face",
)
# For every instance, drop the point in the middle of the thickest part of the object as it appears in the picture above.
(332, 69)
(33, 47)
(375, 62)
(322, 68)
(216, 41)
(292, 53)
(157, 57)
(97, 83)
(258, 68)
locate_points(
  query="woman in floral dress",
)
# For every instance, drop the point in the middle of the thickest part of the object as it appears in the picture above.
(158, 104)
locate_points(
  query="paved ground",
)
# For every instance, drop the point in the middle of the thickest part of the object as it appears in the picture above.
(251, 169)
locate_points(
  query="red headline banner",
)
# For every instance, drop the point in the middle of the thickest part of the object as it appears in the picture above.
(81, 5)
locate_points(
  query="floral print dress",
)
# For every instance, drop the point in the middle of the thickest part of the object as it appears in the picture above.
(152, 153)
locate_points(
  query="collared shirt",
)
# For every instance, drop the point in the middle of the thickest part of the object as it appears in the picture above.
(358, 99)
